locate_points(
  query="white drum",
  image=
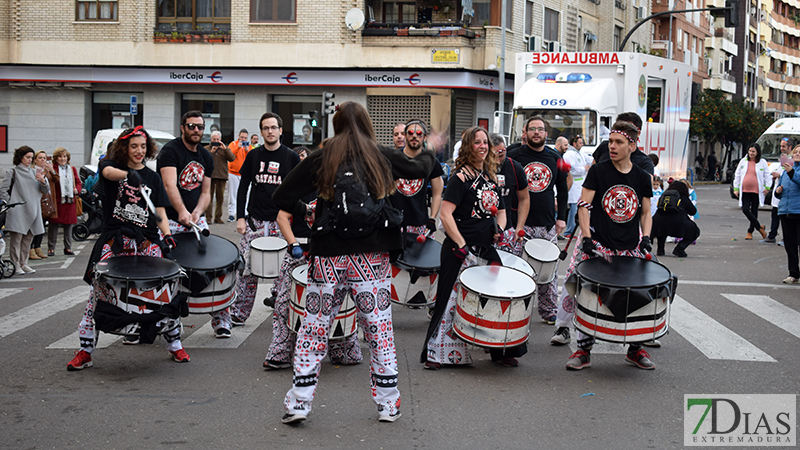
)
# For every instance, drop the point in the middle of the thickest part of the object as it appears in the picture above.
(515, 262)
(494, 306)
(344, 324)
(542, 255)
(266, 256)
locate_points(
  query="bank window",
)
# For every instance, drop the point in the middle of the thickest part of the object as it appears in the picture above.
(272, 10)
(205, 15)
(302, 124)
(551, 19)
(113, 110)
(105, 10)
(399, 12)
(217, 112)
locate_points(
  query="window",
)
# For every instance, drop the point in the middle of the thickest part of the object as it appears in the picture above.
(483, 12)
(551, 20)
(194, 15)
(97, 10)
(528, 18)
(272, 10)
(509, 14)
(617, 37)
(399, 12)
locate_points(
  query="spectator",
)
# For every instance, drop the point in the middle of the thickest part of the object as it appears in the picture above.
(656, 160)
(788, 191)
(785, 151)
(65, 189)
(253, 140)
(302, 152)
(222, 156)
(42, 164)
(675, 223)
(699, 160)
(239, 148)
(712, 166)
(750, 185)
(658, 189)
(22, 183)
(399, 136)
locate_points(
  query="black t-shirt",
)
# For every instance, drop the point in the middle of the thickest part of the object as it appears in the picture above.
(617, 204)
(638, 158)
(543, 175)
(301, 225)
(511, 178)
(265, 171)
(412, 197)
(474, 199)
(124, 206)
(191, 169)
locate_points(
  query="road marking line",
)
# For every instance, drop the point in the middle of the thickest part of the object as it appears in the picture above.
(737, 284)
(770, 310)
(25, 279)
(10, 291)
(711, 337)
(204, 336)
(73, 342)
(29, 315)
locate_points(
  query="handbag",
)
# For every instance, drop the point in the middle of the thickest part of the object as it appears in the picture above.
(78, 206)
(48, 208)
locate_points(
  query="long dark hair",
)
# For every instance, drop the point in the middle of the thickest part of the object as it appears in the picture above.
(20, 153)
(119, 149)
(468, 156)
(679, 186)
(756, 146)
(354, 142)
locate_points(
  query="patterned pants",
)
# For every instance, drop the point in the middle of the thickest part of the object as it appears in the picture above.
(508, 243)
(547, 294)
(566, 310)
(366, 276)
(100, 291)
(219, 319)
(247, 283)
(281, 349)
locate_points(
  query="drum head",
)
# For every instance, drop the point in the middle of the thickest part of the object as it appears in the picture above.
(624, 272)
(424, 256)
(269, 244)
(300, 275)
(515, 262)
(219, 252)
(542, 250)
(497, 282)
(137, 271)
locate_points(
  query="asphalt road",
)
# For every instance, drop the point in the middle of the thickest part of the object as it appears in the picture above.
(734, 330)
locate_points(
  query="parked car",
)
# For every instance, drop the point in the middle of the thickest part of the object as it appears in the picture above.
(105, 137)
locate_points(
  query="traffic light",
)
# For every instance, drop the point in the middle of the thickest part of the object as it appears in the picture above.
(328, 105)
(312, 118)
(731, 13)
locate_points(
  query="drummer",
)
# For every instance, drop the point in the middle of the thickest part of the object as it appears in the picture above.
(612, 223)
(471, 197)
(297, 232)
(545, 220)
(186, 167)
(129, 228)
(514, 187)
(263, 171)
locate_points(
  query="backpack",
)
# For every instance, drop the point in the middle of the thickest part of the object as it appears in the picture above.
(669, 202)
(354, 212)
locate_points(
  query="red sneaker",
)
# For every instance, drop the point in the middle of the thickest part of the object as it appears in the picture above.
(180, 356)
(82, 360)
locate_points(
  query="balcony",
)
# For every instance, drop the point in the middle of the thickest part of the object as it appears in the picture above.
(725, 83)
(418, 29)
(207, 36)
(721, 43)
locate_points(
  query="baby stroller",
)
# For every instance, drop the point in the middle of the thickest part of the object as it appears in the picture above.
(92, 220)
(7, 268)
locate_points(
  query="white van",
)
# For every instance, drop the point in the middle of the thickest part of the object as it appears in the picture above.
(105, 137)
(770, 141)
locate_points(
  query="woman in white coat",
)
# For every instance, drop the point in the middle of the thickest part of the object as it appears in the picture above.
(24, 221)
(751, 182)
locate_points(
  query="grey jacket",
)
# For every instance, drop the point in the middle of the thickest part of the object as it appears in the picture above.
(27, 217)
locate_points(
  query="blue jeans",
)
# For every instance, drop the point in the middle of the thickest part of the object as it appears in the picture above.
(572, 211)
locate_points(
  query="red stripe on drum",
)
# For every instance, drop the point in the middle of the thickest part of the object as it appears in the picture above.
(491, 324)
(616, 332)
(482, 343)
(211, 304)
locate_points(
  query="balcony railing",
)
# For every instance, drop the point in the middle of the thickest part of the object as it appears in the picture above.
(192, 36)
(724, 33)
(417, 29)
(621, 4)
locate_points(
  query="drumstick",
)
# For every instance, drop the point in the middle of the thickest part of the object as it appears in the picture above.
(563, 254)
(197, 231)
(146, 195)
(493, 210)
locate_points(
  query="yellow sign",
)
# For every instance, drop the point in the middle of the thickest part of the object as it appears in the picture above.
(444, 56)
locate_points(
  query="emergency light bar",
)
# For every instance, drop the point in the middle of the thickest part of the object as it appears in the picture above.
(563, 77)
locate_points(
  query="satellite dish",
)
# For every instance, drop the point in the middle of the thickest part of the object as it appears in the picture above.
(354, 19)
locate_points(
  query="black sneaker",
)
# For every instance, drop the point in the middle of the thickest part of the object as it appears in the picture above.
(560, 337)
(237, 322)
(640, 359)
(130, 339)
(222, 333)
(270, 301)
(679, 253)
(276, 365)
(293, 418)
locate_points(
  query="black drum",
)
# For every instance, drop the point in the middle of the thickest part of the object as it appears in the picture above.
(626, 300)
(415, 273)
(211, 265)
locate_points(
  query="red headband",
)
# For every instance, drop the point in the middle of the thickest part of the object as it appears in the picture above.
(138, 131)
(624, 134)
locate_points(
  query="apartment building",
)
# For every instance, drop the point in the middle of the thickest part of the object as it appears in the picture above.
(71, 67)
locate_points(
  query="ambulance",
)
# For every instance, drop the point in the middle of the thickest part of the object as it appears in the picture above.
(582, 94)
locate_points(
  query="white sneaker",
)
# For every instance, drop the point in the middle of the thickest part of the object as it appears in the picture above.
(19, 271)
(27, 269)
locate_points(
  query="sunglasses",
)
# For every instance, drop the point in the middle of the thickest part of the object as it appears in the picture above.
(194, 126)
(411, 133)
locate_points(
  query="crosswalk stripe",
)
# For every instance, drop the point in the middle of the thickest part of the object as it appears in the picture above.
(29, 315)
(710, 337)
(10, 291)
(770, 310)
(204, 336)
(72, 341)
